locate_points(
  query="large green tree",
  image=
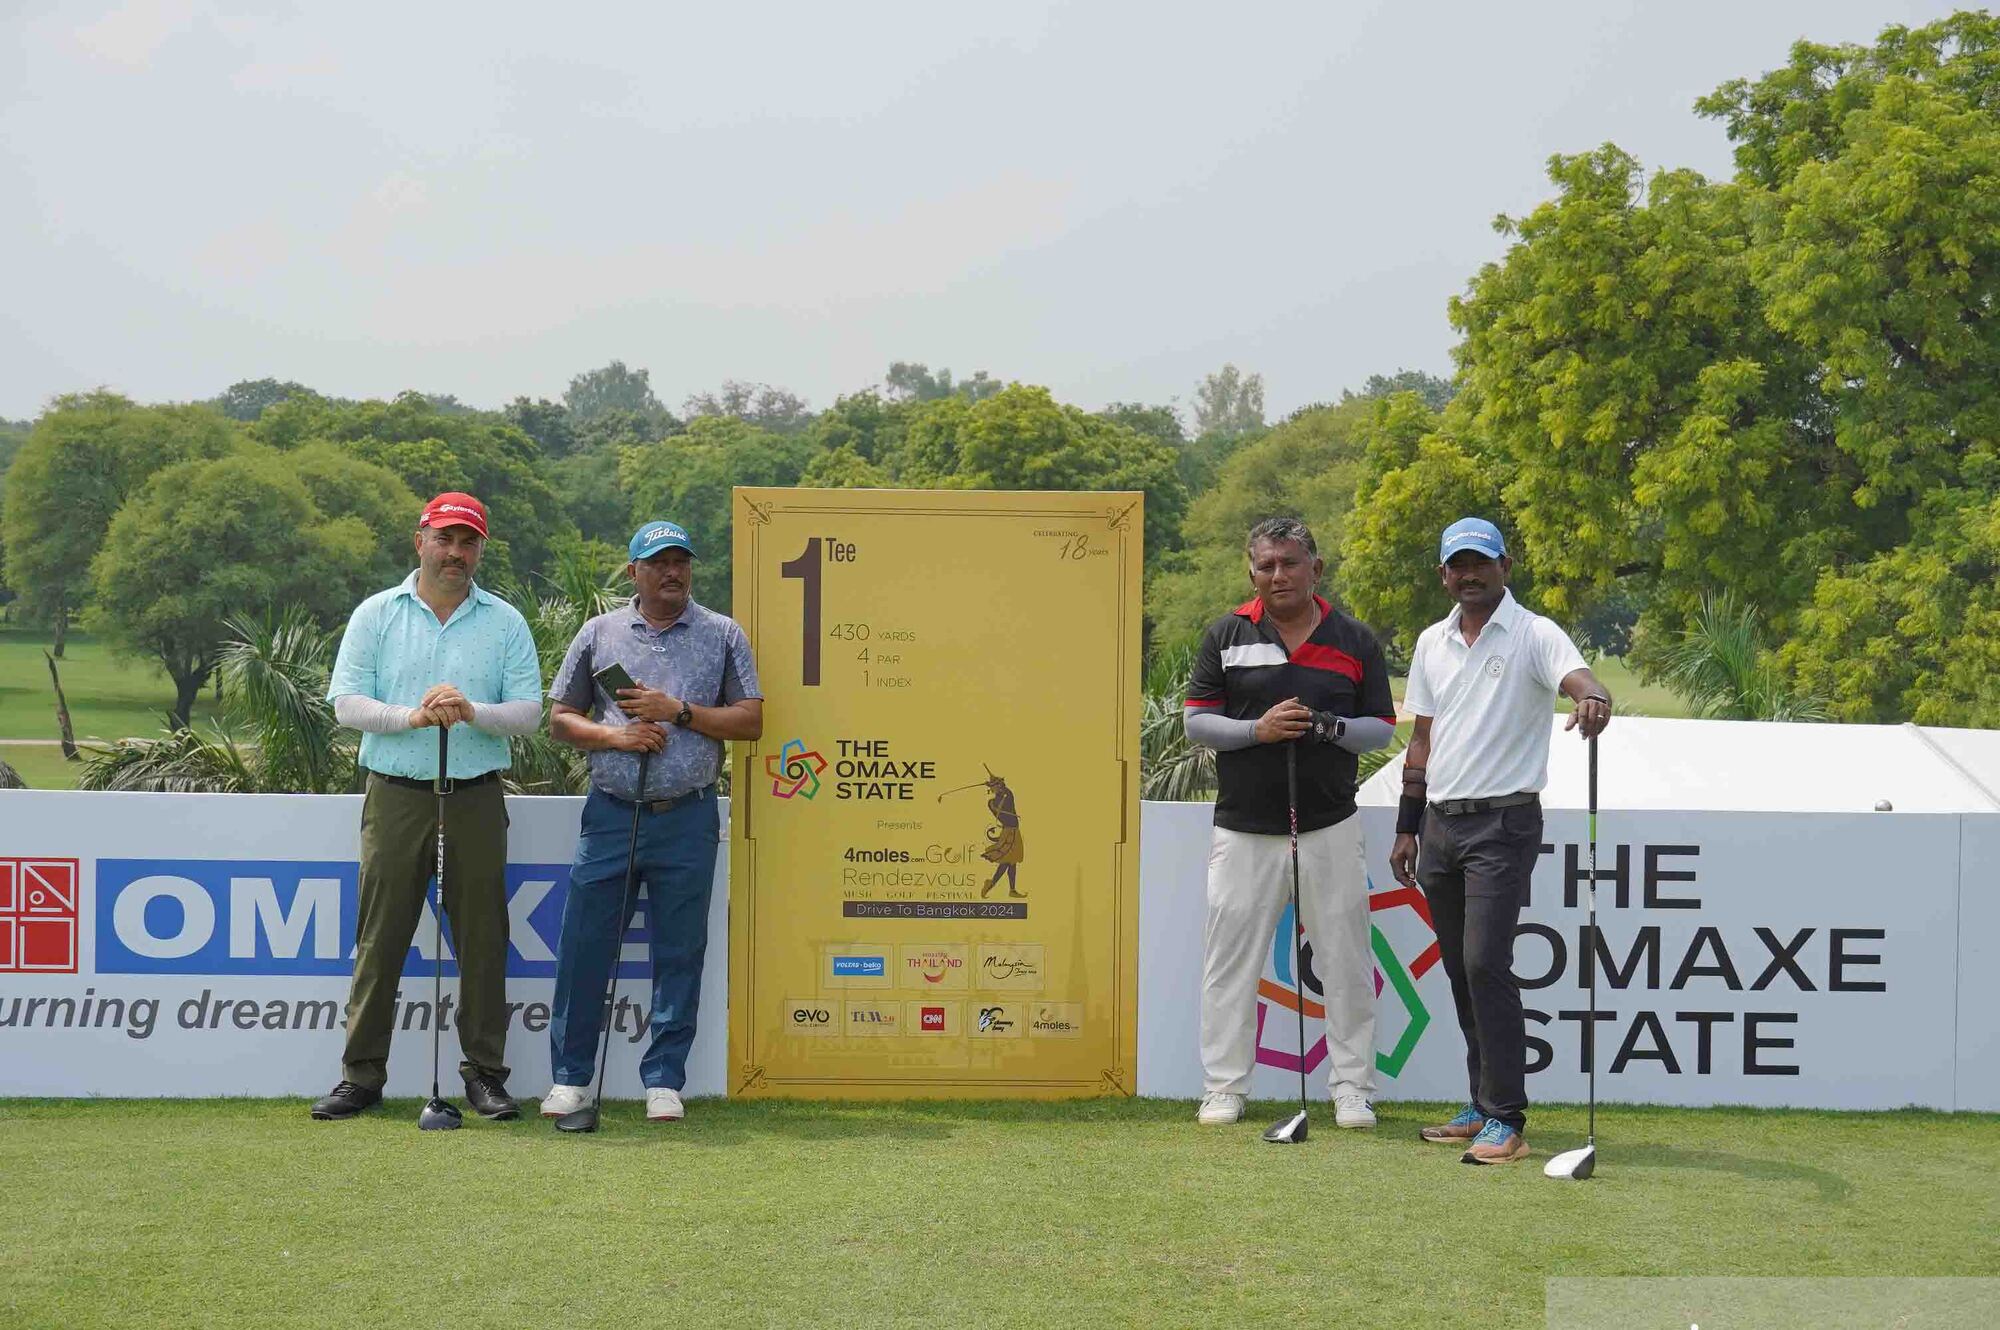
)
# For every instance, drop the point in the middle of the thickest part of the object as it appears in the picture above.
(233, 536)
(1307, 468)
(1783, 384)
(86, 454)
(430, 450)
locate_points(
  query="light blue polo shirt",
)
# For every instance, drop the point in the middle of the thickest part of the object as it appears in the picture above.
(395, 649)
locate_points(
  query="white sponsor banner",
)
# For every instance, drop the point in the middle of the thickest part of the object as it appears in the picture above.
(1774, 959)
(177, 945)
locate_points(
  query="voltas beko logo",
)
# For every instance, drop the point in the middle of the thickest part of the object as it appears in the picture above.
(859, 966)
(794, 771)
(38, 916)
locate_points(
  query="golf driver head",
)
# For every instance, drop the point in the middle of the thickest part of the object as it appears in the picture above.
(1575, 1165)
(578, 1122)
(439, 1115)
(1292, 1131)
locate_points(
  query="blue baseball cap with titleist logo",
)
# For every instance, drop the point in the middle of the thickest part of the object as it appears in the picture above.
(653, 537)
(1471, 533)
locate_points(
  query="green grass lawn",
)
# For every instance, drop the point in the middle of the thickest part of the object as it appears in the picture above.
(226, 1213)
(111, 694)
(42, 766)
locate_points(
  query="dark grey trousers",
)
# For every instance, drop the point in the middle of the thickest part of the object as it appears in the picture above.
(1474, 868)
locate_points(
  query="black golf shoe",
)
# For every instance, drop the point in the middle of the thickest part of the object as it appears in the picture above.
(344, 1101)
(490, 1100)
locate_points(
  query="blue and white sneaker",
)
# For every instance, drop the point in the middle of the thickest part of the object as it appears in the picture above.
(1459, 1130)
(1496, 1143)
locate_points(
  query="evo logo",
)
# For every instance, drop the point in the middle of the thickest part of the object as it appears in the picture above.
(859, 966)
(290, 916)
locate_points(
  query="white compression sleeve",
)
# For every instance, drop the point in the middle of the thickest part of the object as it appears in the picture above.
(1212, 730)
(370, 716)
(523, 717)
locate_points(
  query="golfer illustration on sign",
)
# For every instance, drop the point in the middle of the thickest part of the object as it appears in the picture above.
(1005, 850)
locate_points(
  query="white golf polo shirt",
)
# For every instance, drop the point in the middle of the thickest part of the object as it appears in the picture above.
(1490, 703)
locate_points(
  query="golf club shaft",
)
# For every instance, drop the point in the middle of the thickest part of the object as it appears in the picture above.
(1594, 950)
(439, 786)
(618, 928)
(1298, 920)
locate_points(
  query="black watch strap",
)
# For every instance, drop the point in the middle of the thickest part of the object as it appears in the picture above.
(687, 714)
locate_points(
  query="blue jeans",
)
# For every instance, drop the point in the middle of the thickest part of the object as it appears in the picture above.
(676, 865)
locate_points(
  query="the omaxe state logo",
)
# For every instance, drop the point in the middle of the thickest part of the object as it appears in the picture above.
(38, 900)
(794, 771)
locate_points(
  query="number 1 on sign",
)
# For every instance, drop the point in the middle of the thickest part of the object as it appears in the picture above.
(807, 569)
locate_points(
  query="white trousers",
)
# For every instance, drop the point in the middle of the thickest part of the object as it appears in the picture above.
(1249, 886)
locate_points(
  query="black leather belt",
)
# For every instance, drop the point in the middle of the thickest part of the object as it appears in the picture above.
(662, 805)
(1455, 807)
(458, 783)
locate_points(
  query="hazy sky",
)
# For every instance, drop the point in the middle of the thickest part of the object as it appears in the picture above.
(1108, 199)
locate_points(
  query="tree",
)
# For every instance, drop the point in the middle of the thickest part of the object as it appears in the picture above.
(1721, 668)
(1229, 402)
(758, 404)
(432, 451)
(1784, 384)
(207, 540)
(248, 399)
(910, 381)
(547, 423)
(1434, 392)
(12, 435)
(86, 454)
(688, 479)
(1306, 468)
(613, 388)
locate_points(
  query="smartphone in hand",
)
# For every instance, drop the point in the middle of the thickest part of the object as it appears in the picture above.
(612, 678)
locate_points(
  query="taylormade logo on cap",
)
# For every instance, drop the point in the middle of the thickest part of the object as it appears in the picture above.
(1471, 533)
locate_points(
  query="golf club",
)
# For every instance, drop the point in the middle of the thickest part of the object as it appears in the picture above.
(438, 1114)
(1292, 1130)
(1577, 1165)
(585, 1119)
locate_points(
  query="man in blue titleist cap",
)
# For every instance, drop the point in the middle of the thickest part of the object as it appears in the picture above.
(697, 685)
(1482, 689)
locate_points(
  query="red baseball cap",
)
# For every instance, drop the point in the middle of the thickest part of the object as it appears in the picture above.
(454, 509)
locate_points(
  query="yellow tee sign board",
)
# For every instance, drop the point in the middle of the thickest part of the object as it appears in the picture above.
(934, 857)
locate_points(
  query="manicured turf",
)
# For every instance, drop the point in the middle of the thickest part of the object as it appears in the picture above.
(226, 1213)
(112, 694)
(42, 765)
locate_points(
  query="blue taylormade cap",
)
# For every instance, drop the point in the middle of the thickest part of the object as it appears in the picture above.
(653, 537)
(1471, 533)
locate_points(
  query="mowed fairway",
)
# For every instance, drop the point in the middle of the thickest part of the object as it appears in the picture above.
(227, 1213)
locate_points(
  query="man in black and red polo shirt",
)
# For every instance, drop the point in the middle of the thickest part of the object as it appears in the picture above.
(1287, 668)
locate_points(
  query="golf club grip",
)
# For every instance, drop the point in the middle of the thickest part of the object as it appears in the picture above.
(444, 758)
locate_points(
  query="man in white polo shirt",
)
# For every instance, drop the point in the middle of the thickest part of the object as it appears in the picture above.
(1482, 691)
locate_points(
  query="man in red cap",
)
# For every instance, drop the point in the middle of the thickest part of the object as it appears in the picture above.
(436, 649)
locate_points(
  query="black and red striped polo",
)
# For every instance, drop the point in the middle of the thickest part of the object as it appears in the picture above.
(1244, 670)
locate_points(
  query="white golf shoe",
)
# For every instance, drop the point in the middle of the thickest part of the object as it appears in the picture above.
(563, 1099)
(664, 1105)
(1219, 1109)
(1351, 1110)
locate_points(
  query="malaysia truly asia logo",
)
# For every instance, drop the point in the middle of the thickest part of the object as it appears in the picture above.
(794, 770)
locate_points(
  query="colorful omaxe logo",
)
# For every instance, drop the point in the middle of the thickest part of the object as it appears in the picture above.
(38, 899)
(794, 770)
(1283, 994)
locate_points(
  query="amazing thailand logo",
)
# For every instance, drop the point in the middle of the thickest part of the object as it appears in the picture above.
(794, 771)
(1282, 990)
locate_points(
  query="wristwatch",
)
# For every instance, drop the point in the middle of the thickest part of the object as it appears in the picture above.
(1327, 727)
(687, 714)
